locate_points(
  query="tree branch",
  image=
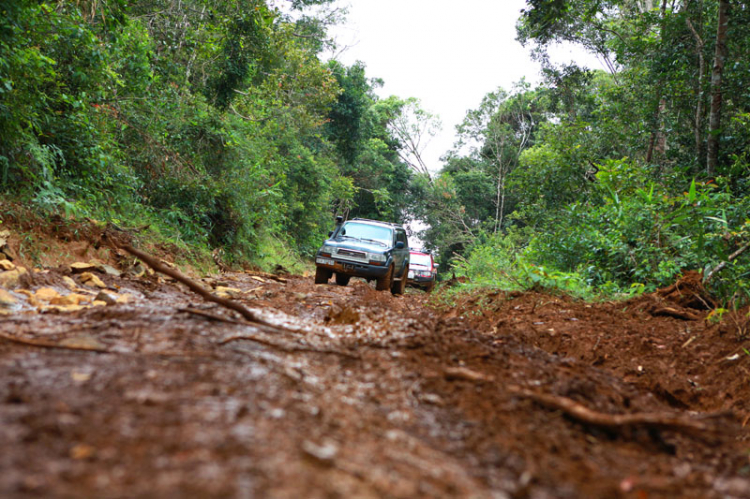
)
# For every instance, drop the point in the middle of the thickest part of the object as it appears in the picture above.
(723, 264)
(585, 415)
(197, 288)
(50, 344)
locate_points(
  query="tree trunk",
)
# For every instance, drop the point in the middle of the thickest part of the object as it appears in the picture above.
(502, 204)
(500, 200)
(714, 126)
(657, 145)
(661, 134)
(498, 210)
(646, 5)
(500, 187)
(698, 132)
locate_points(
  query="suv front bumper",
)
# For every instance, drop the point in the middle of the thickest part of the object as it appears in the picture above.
(419, 280)
(357, 269)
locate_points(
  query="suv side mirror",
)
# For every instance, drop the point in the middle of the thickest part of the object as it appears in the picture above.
(330, 233)
(400, 245)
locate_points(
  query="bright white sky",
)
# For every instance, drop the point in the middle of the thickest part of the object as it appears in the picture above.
(446, 53)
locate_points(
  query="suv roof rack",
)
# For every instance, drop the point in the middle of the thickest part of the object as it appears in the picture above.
(378, 221)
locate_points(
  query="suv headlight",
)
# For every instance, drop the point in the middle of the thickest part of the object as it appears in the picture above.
(327, 249)
(377, 257)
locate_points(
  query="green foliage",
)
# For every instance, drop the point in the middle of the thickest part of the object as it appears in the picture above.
(609, 194)
(361, 127)
(215, 124)
(631, 236)
(346, 120)
(498, 262)
(631, 226)
(244, 46)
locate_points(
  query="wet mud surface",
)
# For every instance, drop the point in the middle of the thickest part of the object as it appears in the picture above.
(364, 394)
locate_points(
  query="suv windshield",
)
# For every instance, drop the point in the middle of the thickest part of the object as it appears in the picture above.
(421, 259)
(382, 235)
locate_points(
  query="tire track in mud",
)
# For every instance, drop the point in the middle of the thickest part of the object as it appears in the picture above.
(422, 405)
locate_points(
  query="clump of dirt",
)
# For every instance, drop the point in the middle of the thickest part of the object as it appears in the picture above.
(688, 292)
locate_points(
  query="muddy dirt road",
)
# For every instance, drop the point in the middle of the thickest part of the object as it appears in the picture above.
(363, 394)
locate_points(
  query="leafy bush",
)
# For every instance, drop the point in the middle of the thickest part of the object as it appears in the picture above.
(215, 126)
(500, 262)
(636, 238)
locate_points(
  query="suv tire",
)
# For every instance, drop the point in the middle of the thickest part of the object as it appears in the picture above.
(384, 283)
(399, 286)
(322, 275)
(342, 279)
(430, 287)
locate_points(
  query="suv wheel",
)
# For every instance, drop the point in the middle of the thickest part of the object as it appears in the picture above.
(342, 279)
(430, 287)
(322, 275)
(383, 283)
(398, 287)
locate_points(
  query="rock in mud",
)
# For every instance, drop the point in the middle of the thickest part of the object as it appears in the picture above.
(90, 279)
(46, 294)
(345, 315)
(126, 298)
(109, 270)
(7, 300)
(70, 283)
(5, 251)
(324, 454)
(10, 278)
(71, 299)
(61, 308)
(81, 267)
(227, 292)
(105, 297)
(137, 270)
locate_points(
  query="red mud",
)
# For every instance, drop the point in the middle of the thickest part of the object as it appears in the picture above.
(365, 395)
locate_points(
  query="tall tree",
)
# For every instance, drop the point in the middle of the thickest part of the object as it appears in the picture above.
(699, 105)
(503, 126)
(414, 127)
(714, 127)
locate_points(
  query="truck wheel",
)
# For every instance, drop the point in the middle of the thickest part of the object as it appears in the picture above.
(322, 275)
(384, 283)
(342, 279)
(430, 287)
(398, 287)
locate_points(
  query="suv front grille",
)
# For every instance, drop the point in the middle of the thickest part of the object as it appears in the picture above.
(351, 254)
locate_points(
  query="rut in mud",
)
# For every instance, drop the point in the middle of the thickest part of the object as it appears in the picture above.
(364, 394)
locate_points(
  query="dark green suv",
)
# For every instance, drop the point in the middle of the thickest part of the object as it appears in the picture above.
(370, 249)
